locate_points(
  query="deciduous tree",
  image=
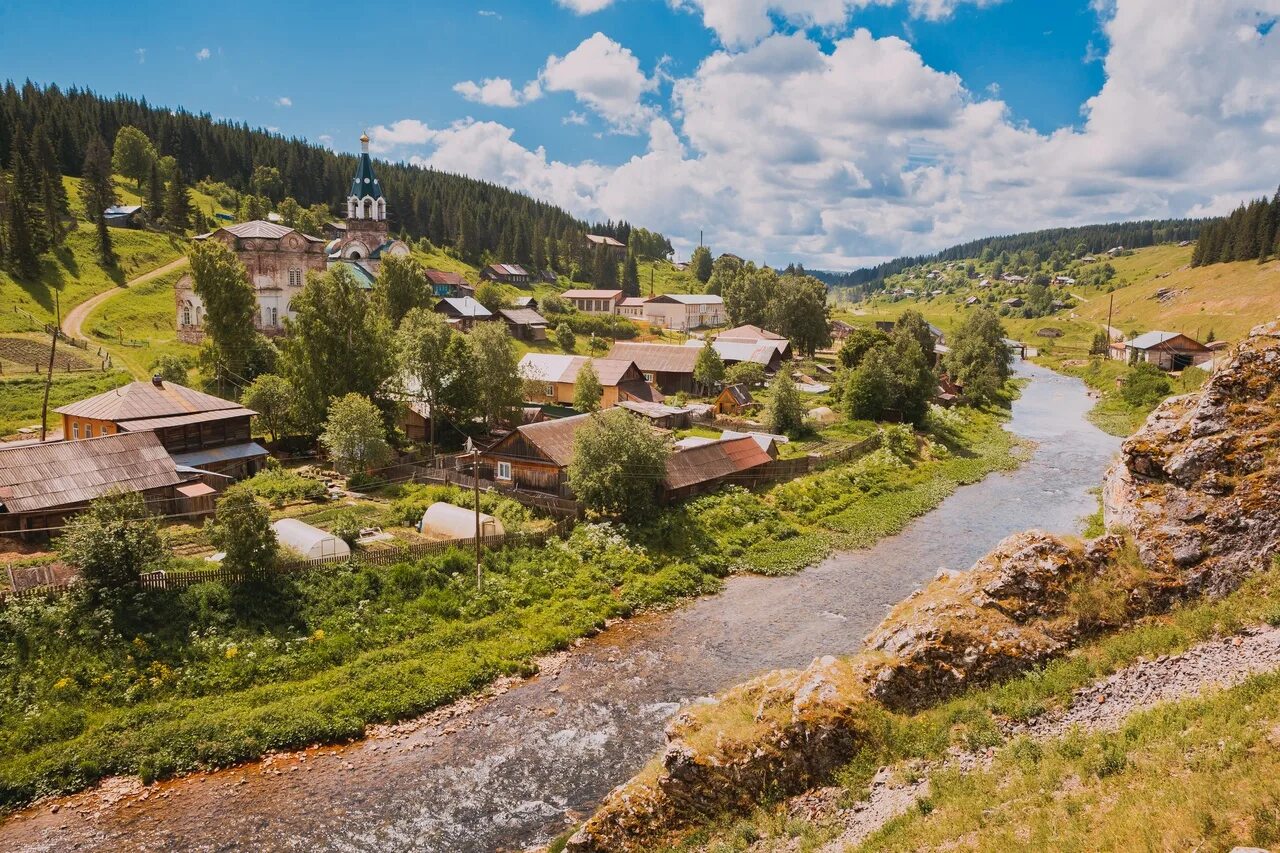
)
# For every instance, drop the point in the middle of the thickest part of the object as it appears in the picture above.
(701, 264)
(979, 359)
(133, 155)
(785, 414)
(354, 435)
(587, 390)
(401, 286)
(113, 542)
(565, 338)
(222, 283)
(617, 464)
(495, 367)
(272, 397)
(242, 530)
(423, 344)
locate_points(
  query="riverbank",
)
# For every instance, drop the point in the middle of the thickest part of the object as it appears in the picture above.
(217, 675)
(514, 768)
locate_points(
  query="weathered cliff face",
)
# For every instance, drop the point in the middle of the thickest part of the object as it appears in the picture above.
(1198, 486)
(1198, 493)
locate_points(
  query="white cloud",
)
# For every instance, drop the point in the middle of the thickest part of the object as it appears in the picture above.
(498, 92)
(284, 102)
(141, 53)
(605, 77)
(202, 54)
(326, 140)
(739, 23)
(585, 7)
(489, 13)
(574, 117)
(789, 151)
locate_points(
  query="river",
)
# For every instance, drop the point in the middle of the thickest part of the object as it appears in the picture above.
(515, 769)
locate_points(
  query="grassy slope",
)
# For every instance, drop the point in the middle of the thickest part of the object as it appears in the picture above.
(143, 316)
(20, 399)
(1200, 774)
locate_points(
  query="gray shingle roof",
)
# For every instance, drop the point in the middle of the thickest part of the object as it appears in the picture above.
(62, 473)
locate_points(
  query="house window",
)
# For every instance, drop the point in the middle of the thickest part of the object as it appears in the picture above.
(504, 470)
(295, 278)
(186, 315)
(549, 390)
(102, 430)
(649, 377)
(275, 319)
(75, 430)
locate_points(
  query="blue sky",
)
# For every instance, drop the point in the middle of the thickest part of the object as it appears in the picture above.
(830, 131)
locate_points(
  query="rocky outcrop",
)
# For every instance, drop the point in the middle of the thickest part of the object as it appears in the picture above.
(1198, 487)
(1197, 492)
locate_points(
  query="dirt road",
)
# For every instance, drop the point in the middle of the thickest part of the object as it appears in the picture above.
(73, 323)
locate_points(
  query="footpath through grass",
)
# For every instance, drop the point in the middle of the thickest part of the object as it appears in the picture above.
(173, 681)
(1201, 774)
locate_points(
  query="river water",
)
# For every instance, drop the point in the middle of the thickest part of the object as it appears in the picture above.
(515, 769)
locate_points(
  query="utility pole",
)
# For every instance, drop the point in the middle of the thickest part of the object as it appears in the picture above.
(475, 483)
(1111, 303)
(48, 380)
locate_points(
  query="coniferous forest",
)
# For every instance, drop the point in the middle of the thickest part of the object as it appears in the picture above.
(1250, 233)
(470, 215)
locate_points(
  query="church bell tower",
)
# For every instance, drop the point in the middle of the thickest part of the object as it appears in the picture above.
(366, 209)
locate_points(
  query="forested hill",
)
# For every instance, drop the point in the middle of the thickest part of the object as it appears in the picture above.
(446, 208)
(1074, 241)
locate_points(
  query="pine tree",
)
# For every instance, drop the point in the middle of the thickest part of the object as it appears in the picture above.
(53, 195)
(27, 195)
(99, 193)
(23, 257)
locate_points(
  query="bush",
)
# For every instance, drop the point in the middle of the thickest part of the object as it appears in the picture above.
(346, 526)
(1145, 385)
(278, 486)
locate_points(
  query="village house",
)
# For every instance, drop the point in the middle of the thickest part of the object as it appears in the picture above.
(125, 216)
(199, 430)
(684, 311)
(550, 378)
(667, 367)
(524, 323)
(1167, 350)
(535, 456)
(506, 274)
(42, 484)
(594, 301)
(617, 249)
(1015, 302)
(840, 330)
(632, 307)
(463, 311)
(764, 353)
(755, 334)
(733, 400)
(525, 302)
(660, 415)
(697, 470)
(448, 284)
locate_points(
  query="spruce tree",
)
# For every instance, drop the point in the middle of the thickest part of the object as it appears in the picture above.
(99, 193)
(630, 277)
(155, 192)
(53, 195)
(23, 256)
(177, 203)
(26, 193)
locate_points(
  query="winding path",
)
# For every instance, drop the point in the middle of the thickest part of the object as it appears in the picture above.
(514, 768)
(73, 323)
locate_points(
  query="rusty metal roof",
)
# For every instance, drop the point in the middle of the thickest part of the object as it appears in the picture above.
(719, 460)
(260, 229)
(183, 420)
(657, 358)
(63, 473)
(442, 277)
(554, 438)
(148, 400)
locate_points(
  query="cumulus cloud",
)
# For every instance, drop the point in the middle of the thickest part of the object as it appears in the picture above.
(585, 7)
(574, 117)
(605, 77)
(498, 92)
(837, 155)
(284, 102)
(141, 53)
(202, 54)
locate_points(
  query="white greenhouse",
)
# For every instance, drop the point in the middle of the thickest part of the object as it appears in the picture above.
(454, 522)
(311, 542)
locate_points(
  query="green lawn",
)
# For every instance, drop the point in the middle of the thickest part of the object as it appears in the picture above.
(143, 313)
(21, 398)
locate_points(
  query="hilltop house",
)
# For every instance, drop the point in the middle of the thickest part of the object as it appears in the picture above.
(463, 311)
(506, 274)
(684, 311)
(1167, 350)
(125, 216)
(200, 430)
(667, 367)
(594, 301)
(551, 379)
(617, 249)
(448, 284)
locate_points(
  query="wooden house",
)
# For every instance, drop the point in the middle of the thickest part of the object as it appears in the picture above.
(615, 248)
(756, 335)
(733, 400)
(684, 311)
(43, 484)
(506, 274)
(660, 415)
(448, 283)
(535, 456)
(125, 216)
(550, 378)
(667, 367)
(1167, 350)
(524, 323)
(463, 312)
(199, 430)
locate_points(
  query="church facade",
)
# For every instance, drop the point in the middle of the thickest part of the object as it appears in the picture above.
(278, 258)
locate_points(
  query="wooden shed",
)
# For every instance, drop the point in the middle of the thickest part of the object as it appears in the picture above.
(536, 456)
(706, 467)
(733, 400)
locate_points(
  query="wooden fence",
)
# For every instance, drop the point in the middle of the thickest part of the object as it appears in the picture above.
(380, 557)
